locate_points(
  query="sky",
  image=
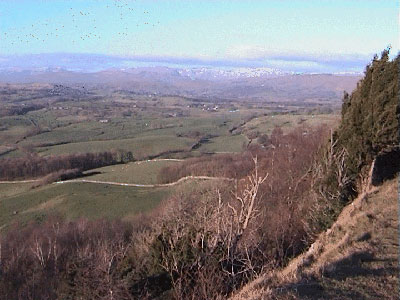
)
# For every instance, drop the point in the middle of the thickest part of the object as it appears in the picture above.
(310, 34)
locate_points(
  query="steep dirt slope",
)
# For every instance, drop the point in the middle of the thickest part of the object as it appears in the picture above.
(357, 258)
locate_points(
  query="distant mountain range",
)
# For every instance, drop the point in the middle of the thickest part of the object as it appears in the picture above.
(194, 81)
(90, 63)
(218, 73)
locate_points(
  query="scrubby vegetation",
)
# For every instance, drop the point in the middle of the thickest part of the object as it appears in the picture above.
(203, 244)
(59, 260)
(206, 244)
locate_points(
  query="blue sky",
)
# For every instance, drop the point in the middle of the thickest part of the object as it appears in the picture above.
(278, 33)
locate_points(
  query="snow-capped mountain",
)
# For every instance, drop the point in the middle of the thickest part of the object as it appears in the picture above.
(224, 73)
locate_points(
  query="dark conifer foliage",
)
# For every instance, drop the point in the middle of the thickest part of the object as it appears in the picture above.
(368, 130)
(370, 116)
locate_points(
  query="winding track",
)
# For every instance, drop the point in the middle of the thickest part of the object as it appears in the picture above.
(21, 181)
(147, 185)
(130, 184)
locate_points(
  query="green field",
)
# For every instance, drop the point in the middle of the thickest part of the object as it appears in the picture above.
(11, 189)
(231, 143)
(110, 119)
(142, 137)
(141, 173)
(140, 147)
(76, 200)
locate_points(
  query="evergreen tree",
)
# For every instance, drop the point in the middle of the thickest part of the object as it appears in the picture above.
(370, 115)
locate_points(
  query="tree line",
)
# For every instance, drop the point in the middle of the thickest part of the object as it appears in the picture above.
(35, 166)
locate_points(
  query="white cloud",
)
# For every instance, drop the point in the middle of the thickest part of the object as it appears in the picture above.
(250, 52)
(246, 52)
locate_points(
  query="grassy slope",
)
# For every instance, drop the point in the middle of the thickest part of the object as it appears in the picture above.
(75, 200)
(142, 137)
(142, 173)
(287, 122)
(10, 189)
(149, 145)
(356, 259)
(72, 201)
(231, 143)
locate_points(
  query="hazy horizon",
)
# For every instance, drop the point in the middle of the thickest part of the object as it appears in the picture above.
(299, 36)
(85, 62)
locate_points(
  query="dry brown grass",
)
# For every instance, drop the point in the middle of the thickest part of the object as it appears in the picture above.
(357, 258)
